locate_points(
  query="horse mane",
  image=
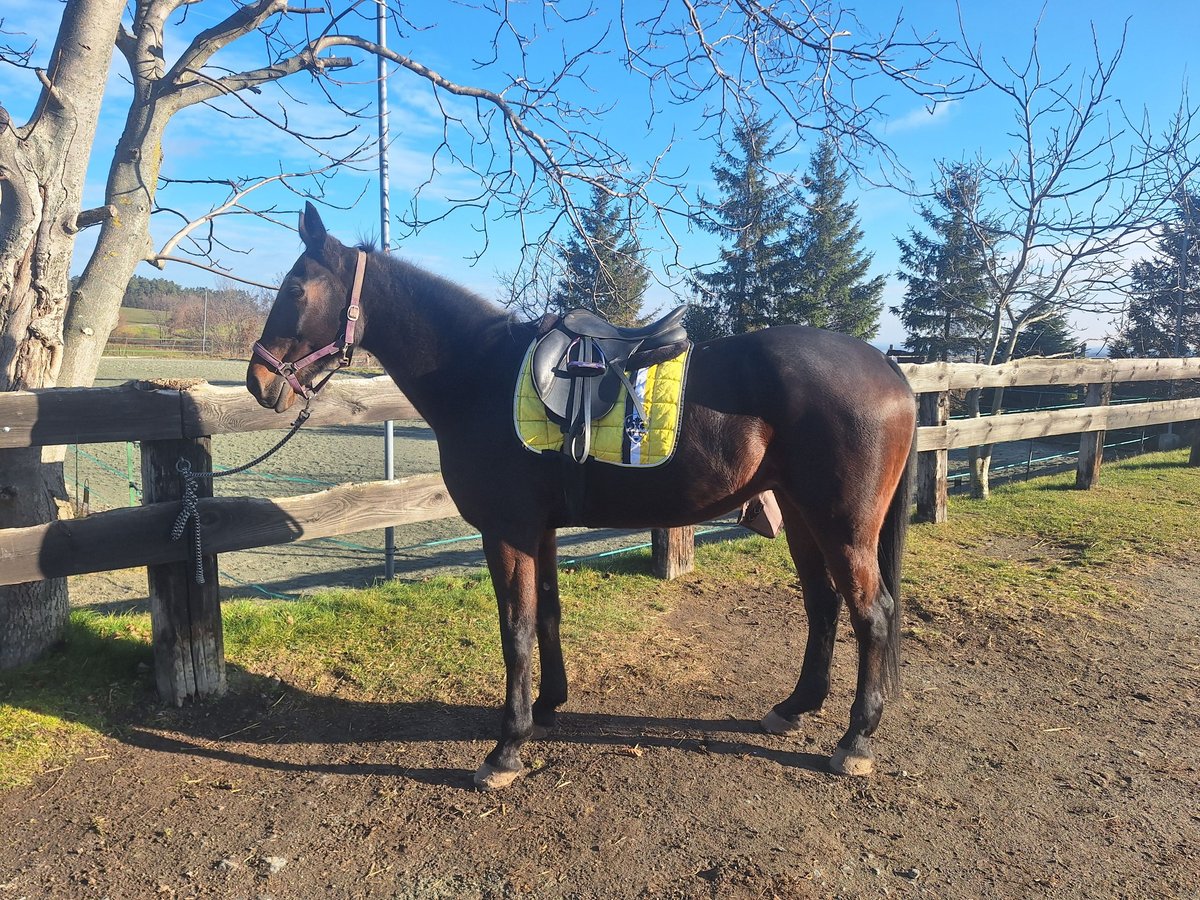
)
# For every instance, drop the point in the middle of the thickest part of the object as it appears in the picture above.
(442, 298)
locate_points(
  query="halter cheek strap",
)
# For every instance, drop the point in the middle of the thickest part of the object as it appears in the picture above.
(343, 344)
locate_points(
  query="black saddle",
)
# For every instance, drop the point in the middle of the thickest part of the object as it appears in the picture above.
(580, 363)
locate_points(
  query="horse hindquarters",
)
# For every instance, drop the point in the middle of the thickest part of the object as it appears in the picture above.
(846, 505)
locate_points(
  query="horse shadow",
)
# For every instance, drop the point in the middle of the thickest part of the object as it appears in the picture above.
(322, 720)
(265, 722)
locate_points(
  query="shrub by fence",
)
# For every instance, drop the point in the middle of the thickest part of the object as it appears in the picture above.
(177, 421)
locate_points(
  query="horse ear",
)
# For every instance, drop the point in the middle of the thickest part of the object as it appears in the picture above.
(312, 229)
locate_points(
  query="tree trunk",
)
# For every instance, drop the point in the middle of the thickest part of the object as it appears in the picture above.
(980, 456)
(42, 170)
(123, 242)
(33, 616)
(124, 238)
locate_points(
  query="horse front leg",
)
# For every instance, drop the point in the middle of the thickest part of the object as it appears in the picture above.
(553, 690)
(514, 572)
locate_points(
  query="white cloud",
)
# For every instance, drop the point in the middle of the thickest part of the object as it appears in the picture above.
(921, 117)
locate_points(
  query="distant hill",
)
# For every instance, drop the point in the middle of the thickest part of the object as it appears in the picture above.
(166, 295)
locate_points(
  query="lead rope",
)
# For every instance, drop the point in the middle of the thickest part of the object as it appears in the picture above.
(191, 485)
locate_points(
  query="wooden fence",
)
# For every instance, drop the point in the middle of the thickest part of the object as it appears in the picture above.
(938, 434)
(177, 420)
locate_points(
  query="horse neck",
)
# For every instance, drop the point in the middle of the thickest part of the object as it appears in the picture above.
(429, 335)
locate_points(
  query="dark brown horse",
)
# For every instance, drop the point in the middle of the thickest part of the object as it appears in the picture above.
(824, 420)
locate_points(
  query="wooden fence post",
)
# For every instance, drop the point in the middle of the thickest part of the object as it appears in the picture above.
(1091, 443)
(185, 617)
(673, 551)
(932, 465)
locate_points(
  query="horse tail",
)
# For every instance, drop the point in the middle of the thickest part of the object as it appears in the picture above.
(891, 557)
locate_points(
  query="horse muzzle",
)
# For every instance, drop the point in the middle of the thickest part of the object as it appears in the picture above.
(270, 389)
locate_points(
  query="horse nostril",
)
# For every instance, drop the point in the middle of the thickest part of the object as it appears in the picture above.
(263, 385)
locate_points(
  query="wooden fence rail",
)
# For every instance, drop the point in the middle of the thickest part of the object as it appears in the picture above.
(937, 434)
(146, 411)
(138, 536)
(170, 419)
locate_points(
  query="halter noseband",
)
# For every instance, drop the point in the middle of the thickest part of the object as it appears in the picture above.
(343, 345)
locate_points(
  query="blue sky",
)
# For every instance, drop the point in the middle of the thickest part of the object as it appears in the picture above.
(451, 38)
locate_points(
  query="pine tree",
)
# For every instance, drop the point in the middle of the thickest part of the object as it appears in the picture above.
(755, 213)
(605, 273)
(1164, 310)
(832, 289)
(946, 301)
(1048, 337)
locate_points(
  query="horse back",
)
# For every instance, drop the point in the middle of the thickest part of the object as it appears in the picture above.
(757, 407)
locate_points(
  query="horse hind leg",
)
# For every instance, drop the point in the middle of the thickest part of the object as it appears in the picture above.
(855, 570)
(823, 605)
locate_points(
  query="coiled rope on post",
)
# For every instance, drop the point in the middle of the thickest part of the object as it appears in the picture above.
(190, 512)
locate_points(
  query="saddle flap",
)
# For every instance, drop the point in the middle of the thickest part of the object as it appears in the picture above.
(555, 385)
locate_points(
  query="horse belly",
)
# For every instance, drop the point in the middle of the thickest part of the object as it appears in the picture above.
(719, 463)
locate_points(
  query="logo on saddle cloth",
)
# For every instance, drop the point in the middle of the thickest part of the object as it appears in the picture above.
(633, 433)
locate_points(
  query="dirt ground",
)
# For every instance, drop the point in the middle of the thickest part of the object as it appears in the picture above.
(1050, 757)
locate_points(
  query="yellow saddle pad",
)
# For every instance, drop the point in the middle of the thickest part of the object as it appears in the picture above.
(660, 389)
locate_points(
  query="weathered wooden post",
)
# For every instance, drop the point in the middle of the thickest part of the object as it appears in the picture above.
(185, 617)
(932, 465)
(673, 551)
(1091, 443)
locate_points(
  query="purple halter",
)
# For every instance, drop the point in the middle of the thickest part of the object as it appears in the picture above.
(343, 345)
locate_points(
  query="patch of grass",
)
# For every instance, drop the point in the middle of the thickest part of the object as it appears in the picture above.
(133, 316)
(1043, 545)
(1035, 546)
(394, 642)
(51, 708)
(405, 641)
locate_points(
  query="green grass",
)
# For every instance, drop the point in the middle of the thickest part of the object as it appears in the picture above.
(406, 641)
(1043, 545)
(1035, 546)
(49, 710)
(133, 316)
(139, 323)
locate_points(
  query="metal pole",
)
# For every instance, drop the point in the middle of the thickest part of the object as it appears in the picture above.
(389, 430)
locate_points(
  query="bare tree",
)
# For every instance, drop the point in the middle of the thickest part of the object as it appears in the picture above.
(42, 168)
(1056, 216)
(522, 133)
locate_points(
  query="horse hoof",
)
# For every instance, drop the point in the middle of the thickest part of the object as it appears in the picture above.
(489, 778)
(539, 732)
(849, 762)
(774, 723)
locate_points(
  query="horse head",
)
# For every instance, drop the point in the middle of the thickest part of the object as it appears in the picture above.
(312, 326)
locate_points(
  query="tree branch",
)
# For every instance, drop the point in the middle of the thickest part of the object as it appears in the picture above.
(159, 262)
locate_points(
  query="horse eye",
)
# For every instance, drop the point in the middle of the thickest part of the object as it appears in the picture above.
(294, 290)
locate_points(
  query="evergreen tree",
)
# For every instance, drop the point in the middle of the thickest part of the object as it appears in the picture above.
(832, 289)
(605, 273)
(946, 300)
(758, 271)
(1164, 310)
(1049, 337)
